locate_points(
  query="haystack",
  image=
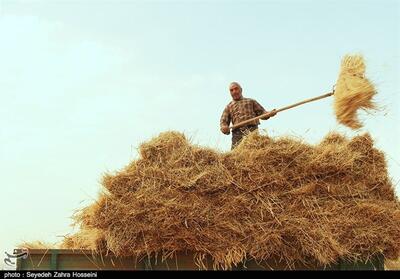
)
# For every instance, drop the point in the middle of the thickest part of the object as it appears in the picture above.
(269, 197)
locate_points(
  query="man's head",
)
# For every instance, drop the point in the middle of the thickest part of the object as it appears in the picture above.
(236, 91)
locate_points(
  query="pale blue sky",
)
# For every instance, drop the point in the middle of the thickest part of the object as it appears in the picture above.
(83, 83)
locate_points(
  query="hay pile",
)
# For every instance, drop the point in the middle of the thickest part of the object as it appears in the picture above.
(353, 91)
(268, 198)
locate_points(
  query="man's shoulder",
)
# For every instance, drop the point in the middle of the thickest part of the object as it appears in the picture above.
(246, 100)
(249, 100)
(230, 103)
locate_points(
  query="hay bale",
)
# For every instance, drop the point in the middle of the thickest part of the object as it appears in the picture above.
(353, 91)
(267, 198)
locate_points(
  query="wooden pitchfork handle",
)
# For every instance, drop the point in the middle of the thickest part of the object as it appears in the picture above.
(240, 124)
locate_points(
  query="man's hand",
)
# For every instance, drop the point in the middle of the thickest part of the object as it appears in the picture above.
(273, 112)
(225, 130)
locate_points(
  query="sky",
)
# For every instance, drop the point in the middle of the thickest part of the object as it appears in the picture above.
(83, 83)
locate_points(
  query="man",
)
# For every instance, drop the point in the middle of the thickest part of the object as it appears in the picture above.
(238, 110)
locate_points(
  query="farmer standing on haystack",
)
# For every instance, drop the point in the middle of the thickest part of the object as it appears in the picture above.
(238, 110)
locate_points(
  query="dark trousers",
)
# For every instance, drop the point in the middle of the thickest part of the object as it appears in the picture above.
(239, 133)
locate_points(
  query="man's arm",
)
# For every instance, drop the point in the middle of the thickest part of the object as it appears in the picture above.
(225, 121)
(258, 109)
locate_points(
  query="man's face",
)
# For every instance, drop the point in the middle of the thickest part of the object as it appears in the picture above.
(236, 92)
